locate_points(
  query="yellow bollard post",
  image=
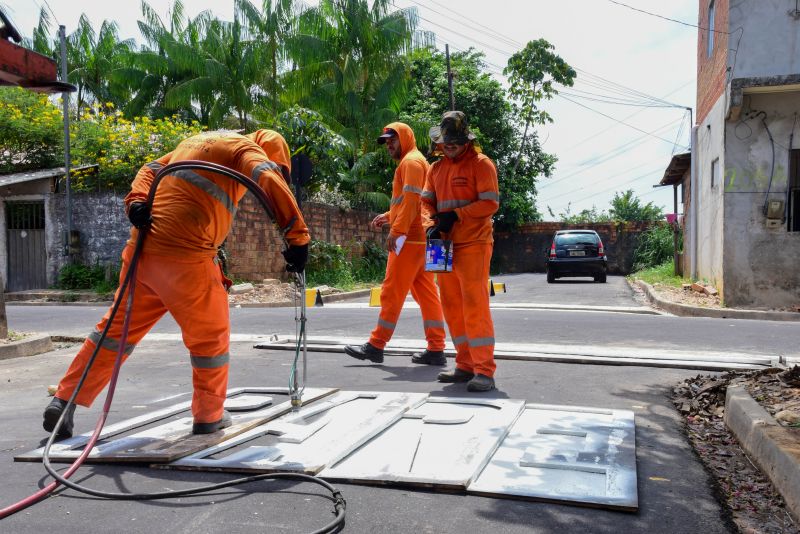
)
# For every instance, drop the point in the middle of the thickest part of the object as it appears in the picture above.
(313, 297)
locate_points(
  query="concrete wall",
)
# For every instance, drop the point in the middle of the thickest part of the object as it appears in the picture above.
(761, 263)
(710, 221)
(770, 38)
(526, 249)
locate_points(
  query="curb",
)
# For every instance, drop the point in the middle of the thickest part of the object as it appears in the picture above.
(774, 448)
(30, 346)
(326, 299)
(684, 310)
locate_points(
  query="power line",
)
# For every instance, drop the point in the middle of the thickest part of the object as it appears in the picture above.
(573, 191)
(615, 120)
(665, 18)
(611, 154)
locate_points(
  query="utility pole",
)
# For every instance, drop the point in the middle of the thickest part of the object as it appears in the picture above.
(62, 35)
(449, 78)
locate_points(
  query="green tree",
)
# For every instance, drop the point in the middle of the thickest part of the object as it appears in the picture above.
(585, 216)
(491, 117)
(351, 65)
(92, 57)
(532, 74)
(270, 29)
(306, 132)
(626, 207)
(170, 57)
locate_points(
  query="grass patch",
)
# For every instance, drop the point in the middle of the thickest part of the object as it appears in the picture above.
(661, 274)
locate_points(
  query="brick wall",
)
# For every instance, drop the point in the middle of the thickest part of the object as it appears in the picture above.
(525, 249)
(711, 71)
(254, 243)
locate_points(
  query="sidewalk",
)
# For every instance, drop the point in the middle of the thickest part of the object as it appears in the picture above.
(684, 310)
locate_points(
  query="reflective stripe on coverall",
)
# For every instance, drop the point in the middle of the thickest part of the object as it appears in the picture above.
(191, 217)
(406, 270)
(467, 185)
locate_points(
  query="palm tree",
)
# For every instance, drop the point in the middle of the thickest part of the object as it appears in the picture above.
(92, 58)
(270, 29)
(351, 64)
(163, 64)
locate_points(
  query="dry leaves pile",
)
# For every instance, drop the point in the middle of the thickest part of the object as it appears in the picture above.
(754, 505)
(266, 293)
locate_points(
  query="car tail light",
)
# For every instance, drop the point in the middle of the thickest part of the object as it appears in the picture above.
(600, 250)
(553, 250)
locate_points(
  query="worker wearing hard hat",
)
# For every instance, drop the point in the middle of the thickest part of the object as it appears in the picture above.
(462, 191)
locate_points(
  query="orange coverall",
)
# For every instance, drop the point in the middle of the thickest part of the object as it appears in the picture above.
(406, 270)
(468, 186)
(192, 213)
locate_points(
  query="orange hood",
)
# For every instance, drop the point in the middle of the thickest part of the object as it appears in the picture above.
(407, 140)
(274, 145)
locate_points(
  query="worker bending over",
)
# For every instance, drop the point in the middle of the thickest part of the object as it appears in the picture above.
(405, 268)
(177, 270)
(461, 190)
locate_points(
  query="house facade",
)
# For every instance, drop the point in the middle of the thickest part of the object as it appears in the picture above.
(742, 220)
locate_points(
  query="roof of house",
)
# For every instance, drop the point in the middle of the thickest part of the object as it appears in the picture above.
(32, 176)
(677, 167)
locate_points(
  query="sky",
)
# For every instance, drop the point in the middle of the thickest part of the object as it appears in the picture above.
(608, 134)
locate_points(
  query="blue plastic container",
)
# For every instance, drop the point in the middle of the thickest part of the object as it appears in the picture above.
(439, 256)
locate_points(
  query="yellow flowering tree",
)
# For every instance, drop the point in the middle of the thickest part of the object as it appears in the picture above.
(31, 131)
(120, 146)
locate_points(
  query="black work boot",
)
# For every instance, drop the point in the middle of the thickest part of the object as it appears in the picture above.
(430, 357)
(365, 352)
(481, 383)
(53, 412)
(456, 375)
(210, 428)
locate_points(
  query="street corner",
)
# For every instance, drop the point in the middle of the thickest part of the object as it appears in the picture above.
(28, 345)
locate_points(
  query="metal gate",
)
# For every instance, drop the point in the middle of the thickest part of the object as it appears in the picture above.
(27, 255)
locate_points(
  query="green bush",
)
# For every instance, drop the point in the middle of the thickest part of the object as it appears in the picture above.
(655, 247)
(31, 131)
(660, 274)
(328, 265)
(371, 267)
(98, 278)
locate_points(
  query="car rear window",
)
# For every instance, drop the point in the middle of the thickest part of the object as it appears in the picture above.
(576, 239)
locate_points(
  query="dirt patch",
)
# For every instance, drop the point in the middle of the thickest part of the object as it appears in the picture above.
(266, 294)
(754, 505)
(14, 336)
(688, 297)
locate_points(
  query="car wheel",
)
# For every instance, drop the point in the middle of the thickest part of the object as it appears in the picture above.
(600, 278)
(550, 277)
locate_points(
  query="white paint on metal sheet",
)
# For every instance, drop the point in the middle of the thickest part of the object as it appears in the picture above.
(311, 438)
(143, 443)
(246, 403)
(446, 441)
(582, 455)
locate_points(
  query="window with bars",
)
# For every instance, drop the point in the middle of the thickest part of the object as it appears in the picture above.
(25, 215)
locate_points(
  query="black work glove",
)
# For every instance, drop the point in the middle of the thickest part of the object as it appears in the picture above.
(139, 214)
(445, 220)
(296, 257)
(433, 232)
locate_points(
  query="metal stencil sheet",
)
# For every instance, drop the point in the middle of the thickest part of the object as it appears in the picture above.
(309, 439)
(562, 453)
(444, 442)
(122, 442)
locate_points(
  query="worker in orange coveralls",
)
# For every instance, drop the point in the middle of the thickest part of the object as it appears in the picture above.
(405, 268)
(177, 270)
(461, 189)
